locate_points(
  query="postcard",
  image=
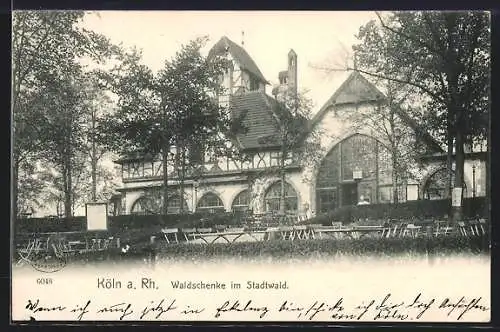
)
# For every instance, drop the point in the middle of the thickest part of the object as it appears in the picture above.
(251, 166)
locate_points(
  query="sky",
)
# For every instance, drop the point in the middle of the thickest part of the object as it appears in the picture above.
(319, 38)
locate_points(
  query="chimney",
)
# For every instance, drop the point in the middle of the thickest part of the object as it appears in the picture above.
(292, 72)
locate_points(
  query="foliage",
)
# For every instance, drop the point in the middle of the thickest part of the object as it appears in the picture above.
(446, 56)
(298, 145)
(141, 223)
(443, 54)
(172, 112)
(46, 49)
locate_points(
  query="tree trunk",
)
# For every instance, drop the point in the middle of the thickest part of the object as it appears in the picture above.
(181, 179)
(250, 192)
(67, 189)
(282, 193)
(165, 181)
(394, 176)
(449, 159)
(459, 170)
(395, 198)
(93, 160)
(282, 176)
(15, 189)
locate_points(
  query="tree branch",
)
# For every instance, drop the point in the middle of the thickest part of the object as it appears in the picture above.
(417, 40)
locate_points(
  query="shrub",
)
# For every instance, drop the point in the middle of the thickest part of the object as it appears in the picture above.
(413, 211)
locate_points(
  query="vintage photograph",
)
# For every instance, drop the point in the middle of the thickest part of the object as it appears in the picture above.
(250, 166)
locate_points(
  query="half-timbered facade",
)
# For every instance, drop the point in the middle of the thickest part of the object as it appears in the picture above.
(355, 165)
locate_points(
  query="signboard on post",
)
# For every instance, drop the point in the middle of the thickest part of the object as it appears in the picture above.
(97, 216)
(456, 197)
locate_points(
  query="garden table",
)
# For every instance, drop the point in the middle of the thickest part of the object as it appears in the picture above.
(229, 236)
(442, 228)
(354, 232)
(411, 230)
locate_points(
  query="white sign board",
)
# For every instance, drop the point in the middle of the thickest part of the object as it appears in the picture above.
(456, 197)
(357, 174)
(97, 216)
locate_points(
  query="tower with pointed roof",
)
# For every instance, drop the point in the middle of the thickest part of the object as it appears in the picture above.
(243, 74)
(287, 78)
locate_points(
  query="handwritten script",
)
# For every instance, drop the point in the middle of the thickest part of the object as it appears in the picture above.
(386, 308)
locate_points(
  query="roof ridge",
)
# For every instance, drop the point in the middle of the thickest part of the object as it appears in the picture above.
(240, 53)
(335, 95)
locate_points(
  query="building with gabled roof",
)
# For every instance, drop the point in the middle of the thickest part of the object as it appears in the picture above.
(354, 161)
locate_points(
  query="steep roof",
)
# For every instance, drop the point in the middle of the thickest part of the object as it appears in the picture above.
(256, 111)
(239, 54)
(355, 89)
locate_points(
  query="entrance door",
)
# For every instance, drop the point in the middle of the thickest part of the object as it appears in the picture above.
(349, 194)
(327, 200)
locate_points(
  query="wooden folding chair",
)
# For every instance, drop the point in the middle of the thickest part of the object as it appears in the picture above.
(188, 232)
(300, 232)
(286, 232)
(313, 230)
(172, 232)
(474, 225)
(462, 228)
(482, 225)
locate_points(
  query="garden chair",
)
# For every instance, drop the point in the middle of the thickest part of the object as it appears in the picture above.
(396, 230)
(286, 232)
(170, 235)
(412, 230)
(337, 224)
(302, 218)
(314, 229)
(271, 233)
(474, 226)
(387, 228)
(401, 230)
(301, 232)
(482, 225)
(462, 227)
(187, 232)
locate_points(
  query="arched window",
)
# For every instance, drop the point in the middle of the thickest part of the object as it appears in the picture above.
(272, 198)
(210, 202)
(241, 201)
(435, 186)
(150, 203)
(335, 183)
